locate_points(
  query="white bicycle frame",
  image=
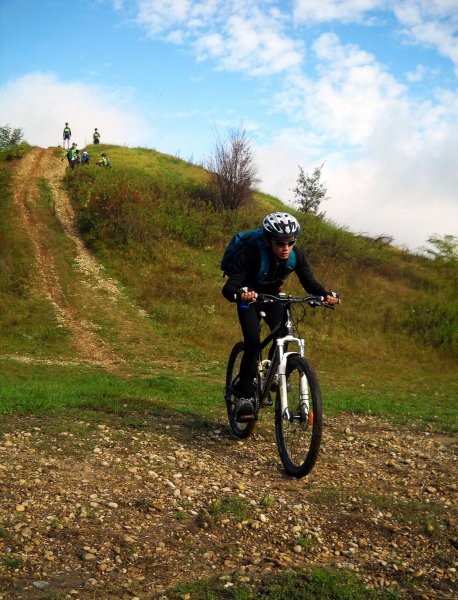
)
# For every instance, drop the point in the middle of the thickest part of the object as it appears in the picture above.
(281, 370)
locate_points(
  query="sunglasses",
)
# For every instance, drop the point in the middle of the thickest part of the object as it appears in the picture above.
(283, 244)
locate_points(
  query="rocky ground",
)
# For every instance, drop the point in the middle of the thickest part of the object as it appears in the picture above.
(129, 512)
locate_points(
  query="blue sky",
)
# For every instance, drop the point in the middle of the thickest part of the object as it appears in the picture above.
(367, 87)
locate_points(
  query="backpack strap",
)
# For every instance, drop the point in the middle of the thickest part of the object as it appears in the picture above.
(265, 260)
(291, 262)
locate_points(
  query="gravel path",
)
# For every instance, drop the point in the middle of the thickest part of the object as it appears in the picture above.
(99, 511)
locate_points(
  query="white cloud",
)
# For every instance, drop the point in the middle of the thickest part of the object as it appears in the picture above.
(161, 16)
(409, 201)
(40, 104)
(252, 45)
(335, 10)
(238, 36)
(389, 158)
(431, 23)
(417, 74)
(346, 100)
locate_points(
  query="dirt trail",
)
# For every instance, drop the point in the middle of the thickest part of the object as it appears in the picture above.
(90, 347)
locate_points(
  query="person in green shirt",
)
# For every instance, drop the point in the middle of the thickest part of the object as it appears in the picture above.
(66, 135)
(72, 156)
(104, 161)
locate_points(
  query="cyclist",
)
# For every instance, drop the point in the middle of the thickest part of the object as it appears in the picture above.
(96, 136)
(281, 231)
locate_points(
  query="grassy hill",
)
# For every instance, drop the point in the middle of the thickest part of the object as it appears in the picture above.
(114, 338)
(391, 344)
(148, 221)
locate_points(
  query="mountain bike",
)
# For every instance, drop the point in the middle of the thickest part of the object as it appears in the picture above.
(298, 409)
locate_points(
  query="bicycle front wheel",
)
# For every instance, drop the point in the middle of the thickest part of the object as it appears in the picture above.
(231, 394)
(298, 430)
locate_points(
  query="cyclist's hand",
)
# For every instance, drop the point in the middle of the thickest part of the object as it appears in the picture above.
(332, 298)
(246, 295)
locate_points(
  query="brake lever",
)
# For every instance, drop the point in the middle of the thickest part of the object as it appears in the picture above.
(330, 306)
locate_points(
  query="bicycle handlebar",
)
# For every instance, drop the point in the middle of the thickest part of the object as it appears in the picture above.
(312, 301)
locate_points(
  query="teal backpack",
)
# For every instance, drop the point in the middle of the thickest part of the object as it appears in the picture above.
(240, 241)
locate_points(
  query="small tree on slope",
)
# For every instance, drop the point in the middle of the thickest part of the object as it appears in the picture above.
(309, 192)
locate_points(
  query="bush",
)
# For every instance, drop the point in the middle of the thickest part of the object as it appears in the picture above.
(232, 171)
(11, 144)
(126, 208)
(434, 323)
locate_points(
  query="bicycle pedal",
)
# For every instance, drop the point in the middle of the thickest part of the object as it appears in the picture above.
(246, 418)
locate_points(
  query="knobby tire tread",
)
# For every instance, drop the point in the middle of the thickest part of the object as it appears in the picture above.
(311, 455)
(240, 430)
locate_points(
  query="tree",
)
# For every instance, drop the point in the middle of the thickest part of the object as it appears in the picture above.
(9, 137)
(446, 248)
(232, 171)
(11, 144)
(445, 253)
(309, 192)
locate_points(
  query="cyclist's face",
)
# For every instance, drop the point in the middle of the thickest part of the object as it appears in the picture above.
(282, 247)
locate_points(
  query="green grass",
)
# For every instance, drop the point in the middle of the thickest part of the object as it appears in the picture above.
(318, 583)
(42, 388)
(422, 409)
(89, 393)
(238, 507)
(149, 222)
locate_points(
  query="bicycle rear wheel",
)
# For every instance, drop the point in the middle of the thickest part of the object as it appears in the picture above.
(299, 433)
(240, 430)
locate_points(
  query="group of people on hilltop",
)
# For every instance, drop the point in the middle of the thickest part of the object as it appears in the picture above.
(73, 154)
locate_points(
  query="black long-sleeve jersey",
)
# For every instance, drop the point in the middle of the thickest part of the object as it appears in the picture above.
(246, 269)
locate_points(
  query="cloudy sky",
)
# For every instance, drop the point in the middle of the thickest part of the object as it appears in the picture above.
(367, 87)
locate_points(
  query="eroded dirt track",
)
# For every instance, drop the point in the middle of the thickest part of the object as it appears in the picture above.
(98, 298)
(42, 164)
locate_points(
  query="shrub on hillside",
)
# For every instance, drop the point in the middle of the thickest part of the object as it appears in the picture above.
(232, 171)
(132, 208)
(12, 145)
(434, 323)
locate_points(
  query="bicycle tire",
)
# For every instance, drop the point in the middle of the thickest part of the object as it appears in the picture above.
(240, 430)
(299, 438)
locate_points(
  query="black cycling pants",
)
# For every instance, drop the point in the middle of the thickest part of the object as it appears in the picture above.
(250, 323)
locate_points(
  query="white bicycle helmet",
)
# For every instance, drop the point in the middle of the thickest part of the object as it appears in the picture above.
(280, 224)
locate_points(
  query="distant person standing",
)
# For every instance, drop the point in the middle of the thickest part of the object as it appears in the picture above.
(67, 134)
(96, 136)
